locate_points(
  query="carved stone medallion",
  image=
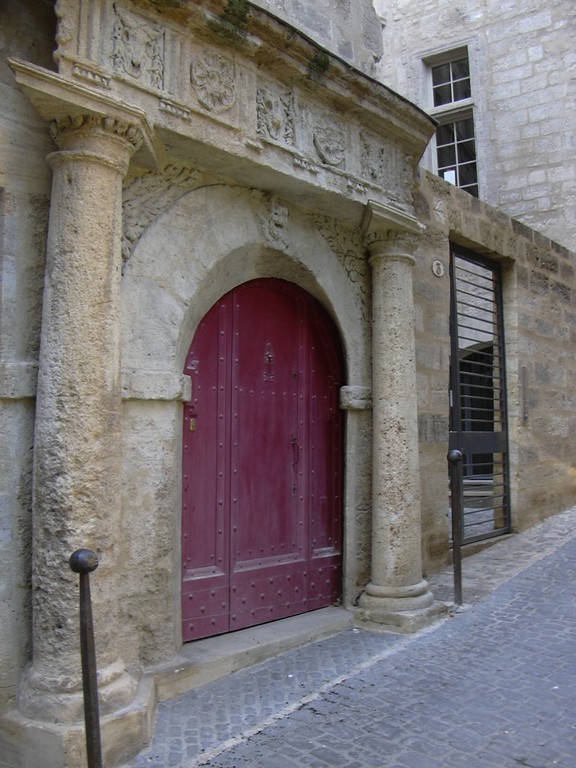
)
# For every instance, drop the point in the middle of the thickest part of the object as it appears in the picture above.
(330, 140)
(214, 81)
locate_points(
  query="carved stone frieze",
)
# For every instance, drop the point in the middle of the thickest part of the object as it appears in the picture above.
(90, 75)
(330, 140)
(386, 166)
(214, 81)
(138, 49)
(302, 162)
(355, 186)
(146, 196)
(276, 114)
(175, 109)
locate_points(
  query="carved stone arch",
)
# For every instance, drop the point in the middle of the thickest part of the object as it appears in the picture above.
(206, 243)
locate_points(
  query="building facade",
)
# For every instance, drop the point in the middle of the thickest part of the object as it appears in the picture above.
(226, 307)
(508, 70)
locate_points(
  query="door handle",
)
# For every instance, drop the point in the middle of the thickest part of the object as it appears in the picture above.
(295, 451)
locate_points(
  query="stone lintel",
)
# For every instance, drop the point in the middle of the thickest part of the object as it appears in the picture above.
(56, 98)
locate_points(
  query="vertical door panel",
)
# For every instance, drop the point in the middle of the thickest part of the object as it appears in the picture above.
(206, 517)
(325, 478)
(268, 530)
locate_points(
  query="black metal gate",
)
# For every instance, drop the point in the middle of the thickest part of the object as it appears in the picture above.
(478, 419)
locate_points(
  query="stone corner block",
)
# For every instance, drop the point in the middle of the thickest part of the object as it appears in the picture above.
(401, 622)
(355, 398)
(155, 385)
(18, 380)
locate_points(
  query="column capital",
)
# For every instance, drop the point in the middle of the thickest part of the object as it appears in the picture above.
(389, 232)
(64, 128)
(72, 108)
(104, 139)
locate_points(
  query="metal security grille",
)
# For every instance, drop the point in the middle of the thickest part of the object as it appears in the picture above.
(478, 395)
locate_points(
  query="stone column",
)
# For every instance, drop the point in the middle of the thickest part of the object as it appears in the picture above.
(397, 596)
(77, 462)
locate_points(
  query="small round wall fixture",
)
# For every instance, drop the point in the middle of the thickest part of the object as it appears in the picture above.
(438, 268)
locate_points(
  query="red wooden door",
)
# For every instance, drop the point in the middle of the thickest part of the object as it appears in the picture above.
(262, 461)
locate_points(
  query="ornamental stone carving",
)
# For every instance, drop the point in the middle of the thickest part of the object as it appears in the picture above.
(274, 225)
(138, 49)
(123, 130)
(330, 140)
(146, 196)
(90, 76)
(275, 114)
(347, 246)
(386, 166)
(214, 81)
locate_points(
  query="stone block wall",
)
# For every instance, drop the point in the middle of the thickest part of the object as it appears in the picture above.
(523, 64)
(348, 28)
(539, 288)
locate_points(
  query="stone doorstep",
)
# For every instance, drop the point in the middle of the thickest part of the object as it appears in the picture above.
(127, 731)
(204, 661)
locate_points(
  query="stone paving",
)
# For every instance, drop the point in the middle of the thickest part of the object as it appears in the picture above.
(491, 686)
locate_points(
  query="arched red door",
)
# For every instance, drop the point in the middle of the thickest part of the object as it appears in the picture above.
(262, 461)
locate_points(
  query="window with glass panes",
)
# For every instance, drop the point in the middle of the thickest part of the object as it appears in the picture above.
(451, 82)
(455, 140)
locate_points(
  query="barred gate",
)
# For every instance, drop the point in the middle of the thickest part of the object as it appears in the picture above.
(478, 419)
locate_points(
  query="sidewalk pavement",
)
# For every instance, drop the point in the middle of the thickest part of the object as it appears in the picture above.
(490, 686)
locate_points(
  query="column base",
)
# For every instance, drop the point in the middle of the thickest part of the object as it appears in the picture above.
(27, 742)
(398, 609)
(62, 696)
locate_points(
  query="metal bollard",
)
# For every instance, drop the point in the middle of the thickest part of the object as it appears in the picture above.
(456, 487)
(83, 562)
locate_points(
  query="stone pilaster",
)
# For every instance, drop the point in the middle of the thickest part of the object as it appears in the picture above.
(397, 596)
(77, 462)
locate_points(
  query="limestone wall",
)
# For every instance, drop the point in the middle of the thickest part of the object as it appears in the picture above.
(540, 329)
(25, 30)
(522, 64)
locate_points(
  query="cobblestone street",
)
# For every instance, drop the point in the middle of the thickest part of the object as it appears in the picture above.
(491, 686)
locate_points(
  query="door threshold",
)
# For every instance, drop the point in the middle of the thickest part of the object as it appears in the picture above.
(203, 661)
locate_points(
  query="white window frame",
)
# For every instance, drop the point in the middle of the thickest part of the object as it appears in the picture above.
(455, 110)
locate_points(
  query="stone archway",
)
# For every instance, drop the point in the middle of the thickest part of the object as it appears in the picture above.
(204, 245)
